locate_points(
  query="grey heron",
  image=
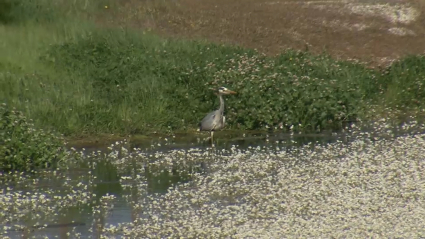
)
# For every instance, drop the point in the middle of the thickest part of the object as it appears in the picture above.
(215, 120)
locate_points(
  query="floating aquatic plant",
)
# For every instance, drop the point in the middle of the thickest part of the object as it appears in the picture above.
(369, 185)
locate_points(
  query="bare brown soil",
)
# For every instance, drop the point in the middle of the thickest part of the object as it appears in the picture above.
(376, 32)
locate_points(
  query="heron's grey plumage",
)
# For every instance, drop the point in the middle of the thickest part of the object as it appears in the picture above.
(215, 120)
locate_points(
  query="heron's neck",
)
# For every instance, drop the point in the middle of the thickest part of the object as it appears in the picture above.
(221, 109)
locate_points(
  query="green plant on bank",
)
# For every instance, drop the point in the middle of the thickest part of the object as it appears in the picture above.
(404, 83)
(169, 84)
(137, 82)
(294, 90)
(24, 147)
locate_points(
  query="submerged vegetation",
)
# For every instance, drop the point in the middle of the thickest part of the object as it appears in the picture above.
(68, 73)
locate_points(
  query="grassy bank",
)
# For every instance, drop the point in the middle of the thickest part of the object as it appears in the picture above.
(67, 72)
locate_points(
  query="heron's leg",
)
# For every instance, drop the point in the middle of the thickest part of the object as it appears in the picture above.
(208, 138)
(212, 138)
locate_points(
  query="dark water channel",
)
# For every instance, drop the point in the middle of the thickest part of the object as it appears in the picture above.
(78, 220)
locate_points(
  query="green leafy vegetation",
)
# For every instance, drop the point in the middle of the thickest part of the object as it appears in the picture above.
(295, 90)
(24, 147)
(404, 83)
(79, 78)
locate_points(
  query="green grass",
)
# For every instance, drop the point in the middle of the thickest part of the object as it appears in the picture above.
(69, 74)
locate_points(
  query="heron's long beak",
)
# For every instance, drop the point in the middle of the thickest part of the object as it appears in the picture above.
(230, 92)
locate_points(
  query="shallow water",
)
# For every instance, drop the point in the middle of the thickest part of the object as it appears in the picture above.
(78, 220)
(135, 181)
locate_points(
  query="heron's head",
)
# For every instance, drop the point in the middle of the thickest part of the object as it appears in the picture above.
(224, 91)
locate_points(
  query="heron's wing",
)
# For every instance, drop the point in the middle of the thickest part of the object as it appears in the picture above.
(208, 122)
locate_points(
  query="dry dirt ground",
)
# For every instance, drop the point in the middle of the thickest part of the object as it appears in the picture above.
(373, 31)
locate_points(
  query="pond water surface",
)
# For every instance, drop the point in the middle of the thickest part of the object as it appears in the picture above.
(79, 220)
(247, 185)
